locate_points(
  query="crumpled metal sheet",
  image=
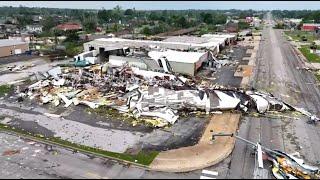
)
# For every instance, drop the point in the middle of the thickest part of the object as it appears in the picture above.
(147, 93)
(287, 166)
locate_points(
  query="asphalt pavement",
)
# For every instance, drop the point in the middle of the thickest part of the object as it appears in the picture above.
(276, 72)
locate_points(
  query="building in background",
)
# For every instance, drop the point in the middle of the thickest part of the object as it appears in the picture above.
(34, 29)
(310, 27)
(9, 47)
(232, 27)
(70, 26)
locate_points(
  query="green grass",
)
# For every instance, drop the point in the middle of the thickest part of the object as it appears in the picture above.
(143, 157)
(317, 76)
(310, 56)
(5, 89)
(296, 35)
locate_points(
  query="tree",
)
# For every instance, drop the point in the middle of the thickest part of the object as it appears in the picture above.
(206, 18)
(146, 31)
(243, 25)
(181, 22)
(116, 13)
(24, 20)
(104, 16)
(48, 23)
(153, 16)
(72, 36)
(115, 27)
(128, 12)
(220, 19)
(89, 26)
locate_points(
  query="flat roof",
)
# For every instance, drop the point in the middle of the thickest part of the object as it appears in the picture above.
(177, 56)
(186, 39)
(203, 40)
(310, 24)
(219, 35)
(10, 42)
(141, 43)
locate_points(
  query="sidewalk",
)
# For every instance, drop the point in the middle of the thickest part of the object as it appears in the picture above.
(203, 154)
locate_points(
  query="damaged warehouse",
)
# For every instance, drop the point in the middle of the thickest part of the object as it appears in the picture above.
(144, 93)
(148, 87)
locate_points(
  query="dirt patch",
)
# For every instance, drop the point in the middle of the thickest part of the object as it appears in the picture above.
(10, 152)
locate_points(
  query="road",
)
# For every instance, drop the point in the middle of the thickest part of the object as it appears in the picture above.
(276, 72)
(35, 161)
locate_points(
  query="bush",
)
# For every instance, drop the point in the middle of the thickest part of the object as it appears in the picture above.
(5, 89)
(73, 49)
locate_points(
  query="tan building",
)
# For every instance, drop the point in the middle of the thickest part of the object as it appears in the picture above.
(10, 47)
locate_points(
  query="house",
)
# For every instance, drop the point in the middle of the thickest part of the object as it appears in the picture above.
(2, 36)
(310, 27)
(11, 20)
(10, 47)
(34, 28)
(11, 29)
(253, 21)
(70, 26)
(292, 22)
(36, 19)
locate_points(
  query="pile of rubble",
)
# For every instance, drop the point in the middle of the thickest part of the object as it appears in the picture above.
(142, 93)
(287, 166)
(19, 67)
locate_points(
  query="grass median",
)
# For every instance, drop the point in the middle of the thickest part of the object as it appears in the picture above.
(142, 158)
(310, 56)
(297, 35)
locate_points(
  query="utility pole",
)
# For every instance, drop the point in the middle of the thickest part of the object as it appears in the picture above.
(259, 171)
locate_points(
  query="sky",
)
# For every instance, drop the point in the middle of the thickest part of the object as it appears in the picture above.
(171, 5)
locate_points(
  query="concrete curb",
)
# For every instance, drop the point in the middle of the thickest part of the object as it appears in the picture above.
(204, 154)
(181, 170)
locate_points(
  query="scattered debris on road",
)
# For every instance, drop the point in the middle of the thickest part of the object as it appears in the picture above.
(285, 166)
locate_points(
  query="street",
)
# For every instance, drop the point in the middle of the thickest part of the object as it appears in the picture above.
(276, 72)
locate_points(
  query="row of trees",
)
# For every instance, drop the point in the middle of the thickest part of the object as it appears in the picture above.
(305, 15)
(158, 20)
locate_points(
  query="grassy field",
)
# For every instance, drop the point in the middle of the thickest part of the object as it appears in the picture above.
(143, 158)
(4, 89)
(310, 56)
(296, 35)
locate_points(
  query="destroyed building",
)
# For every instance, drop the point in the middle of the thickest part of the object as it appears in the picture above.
(104, 43)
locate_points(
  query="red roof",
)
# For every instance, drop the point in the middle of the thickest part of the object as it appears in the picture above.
(69, 26)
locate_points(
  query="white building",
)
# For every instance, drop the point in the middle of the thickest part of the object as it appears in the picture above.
(34, 28)
(182, 62)
(106, 43)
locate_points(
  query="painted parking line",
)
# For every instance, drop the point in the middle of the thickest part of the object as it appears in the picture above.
(205, 177)
(214, 173)
(205, 174)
